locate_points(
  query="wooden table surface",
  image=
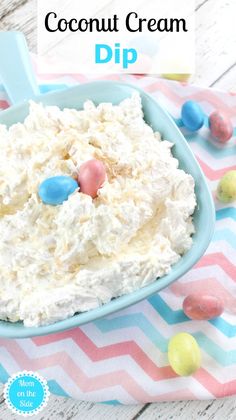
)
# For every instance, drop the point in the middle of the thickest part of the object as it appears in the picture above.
(215, 66)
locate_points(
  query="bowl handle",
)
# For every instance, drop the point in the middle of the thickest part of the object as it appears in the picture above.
(16, 69)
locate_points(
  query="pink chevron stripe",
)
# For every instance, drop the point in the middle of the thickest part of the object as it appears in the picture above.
(122, 378)
(197, 96)
(209, 285)
(218, 259)
(96, 354)
(79, 77)
(76, 77)
(216, 388)
(212, 174)
(4, 104)
(85, 383)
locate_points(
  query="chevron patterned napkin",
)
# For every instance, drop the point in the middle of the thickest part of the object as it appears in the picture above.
(122, 359)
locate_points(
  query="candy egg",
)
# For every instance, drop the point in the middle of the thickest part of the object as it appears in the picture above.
(184, 354)
(202, 306)
(226, 190)
(220, 126)
(192, 115)
(92, 175)
(57, 189)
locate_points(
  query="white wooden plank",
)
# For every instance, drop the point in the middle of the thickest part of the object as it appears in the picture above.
(23, 19)
(65, 408)
(7, 6)
(215, 40)
(192, 410)
(227, 81)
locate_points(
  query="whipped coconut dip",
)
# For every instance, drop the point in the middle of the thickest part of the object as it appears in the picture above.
(56, 261)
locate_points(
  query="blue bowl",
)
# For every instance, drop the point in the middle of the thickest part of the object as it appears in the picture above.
(204, 216)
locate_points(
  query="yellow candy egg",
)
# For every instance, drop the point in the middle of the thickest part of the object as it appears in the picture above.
(184, 354)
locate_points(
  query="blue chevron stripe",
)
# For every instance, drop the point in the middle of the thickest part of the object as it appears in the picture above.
(217, 152)
(170, 316)
(56, 389)
(134, 320)
(111, 402)
(52, 87)
(225, 235)
(225, 358)
(4, 375)
(175, 317)
(225, 213)
(216, 352)
(222, 325)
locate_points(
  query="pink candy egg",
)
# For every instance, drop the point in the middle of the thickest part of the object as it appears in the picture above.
(92, 175)
(202, 306)
(220, 126)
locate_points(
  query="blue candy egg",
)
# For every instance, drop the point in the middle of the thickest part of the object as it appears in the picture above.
(56, 190)
(192, 115)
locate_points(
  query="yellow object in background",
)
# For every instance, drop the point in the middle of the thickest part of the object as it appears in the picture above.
(176, 76)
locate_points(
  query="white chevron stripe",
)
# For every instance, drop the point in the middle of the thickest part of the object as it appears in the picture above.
(225, 248)
(169, 296)
(175, 302)
(133, 334)
(167, 104)
(185, 91)
(72, 389)
(174, 87)
(222, 375)
(92, 369)
(230, 316)
(156, 388)
(209, 159)
(228, 99)
(99, 367)
(212, 271)
(8, 362)
(227, 223)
